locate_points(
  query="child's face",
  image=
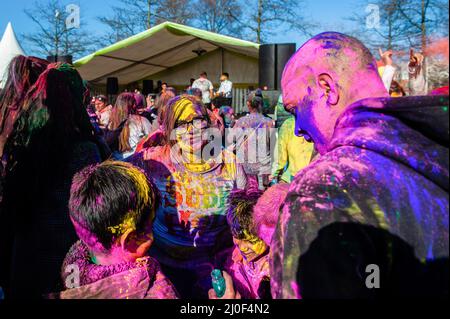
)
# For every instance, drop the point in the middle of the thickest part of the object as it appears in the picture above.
(251, 247)
(128, 246)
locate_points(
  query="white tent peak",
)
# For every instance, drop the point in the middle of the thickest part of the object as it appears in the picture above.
(9, 48)
(9, 41)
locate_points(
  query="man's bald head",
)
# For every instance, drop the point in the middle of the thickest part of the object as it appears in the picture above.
(343, 58)
(327, 74)
(337, 49)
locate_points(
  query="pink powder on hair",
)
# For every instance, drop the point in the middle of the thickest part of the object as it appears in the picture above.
(99, 200)
(267, 210)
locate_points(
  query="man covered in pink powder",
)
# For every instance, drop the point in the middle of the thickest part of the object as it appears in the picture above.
(375, 204)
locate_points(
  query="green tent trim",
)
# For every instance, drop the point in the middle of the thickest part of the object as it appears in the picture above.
(174, 28)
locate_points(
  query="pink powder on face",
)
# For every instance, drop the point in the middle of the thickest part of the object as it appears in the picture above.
(266, 233)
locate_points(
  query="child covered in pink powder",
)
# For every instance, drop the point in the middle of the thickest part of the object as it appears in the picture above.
(250, 265)
(253, 218)
(112, 206)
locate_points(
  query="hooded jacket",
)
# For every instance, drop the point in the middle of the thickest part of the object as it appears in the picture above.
(387, 166)
(250, 278)
(142, 279)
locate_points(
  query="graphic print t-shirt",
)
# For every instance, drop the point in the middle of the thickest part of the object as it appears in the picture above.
(205, 86)
(191, 219)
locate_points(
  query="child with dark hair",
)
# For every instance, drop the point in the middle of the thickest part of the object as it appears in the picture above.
(250, 265)
(112, 206)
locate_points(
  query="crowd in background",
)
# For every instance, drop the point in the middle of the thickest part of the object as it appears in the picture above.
(104, 200)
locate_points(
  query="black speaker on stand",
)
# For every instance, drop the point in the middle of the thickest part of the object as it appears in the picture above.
(147, 87)
(267, 61)
(112, 88)
(284, 52)
(272, 60)
(60, 58)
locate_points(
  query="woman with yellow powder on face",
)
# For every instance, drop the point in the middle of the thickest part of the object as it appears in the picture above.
(191, 233)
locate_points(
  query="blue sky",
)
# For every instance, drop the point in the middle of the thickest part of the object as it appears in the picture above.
(331, 14)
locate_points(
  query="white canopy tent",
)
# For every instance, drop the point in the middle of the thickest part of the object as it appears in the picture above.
(158, 49)
(173, 53)
(9, 48)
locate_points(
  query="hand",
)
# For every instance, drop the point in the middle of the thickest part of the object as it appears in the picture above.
(273, 180)
(414, 58)
(386, 57)
(229, 291)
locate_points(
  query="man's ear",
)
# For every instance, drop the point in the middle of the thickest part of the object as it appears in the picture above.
(134, 243)
(328, 86)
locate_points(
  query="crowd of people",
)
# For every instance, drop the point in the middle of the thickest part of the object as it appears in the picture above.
(145, 197)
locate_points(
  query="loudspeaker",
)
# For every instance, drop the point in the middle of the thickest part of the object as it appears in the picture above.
(60, 58)
(284, 52)
(147, 87)
(272, 60)
(267, 60)
(52, 58)
(65, 59)
(112, 86)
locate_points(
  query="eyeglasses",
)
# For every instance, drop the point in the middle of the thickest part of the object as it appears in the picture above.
(198, 123)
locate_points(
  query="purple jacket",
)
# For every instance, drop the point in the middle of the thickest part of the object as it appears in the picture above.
(251, 279)
(385, 175)
(142, 279)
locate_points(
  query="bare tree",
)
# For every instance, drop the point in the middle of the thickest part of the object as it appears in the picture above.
(129, 18)
(52, 36)
(134, 16)
(423, 18)
(179, 11)
(265, 17)
(437, 71)
(388, 33)
(402, 23)
(220, 16)
(121, 26)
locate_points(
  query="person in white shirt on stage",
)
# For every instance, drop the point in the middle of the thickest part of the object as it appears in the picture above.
(206, 87)
(224, 95)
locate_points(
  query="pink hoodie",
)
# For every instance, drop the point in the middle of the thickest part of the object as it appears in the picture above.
(251, 279)
(141, 279)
